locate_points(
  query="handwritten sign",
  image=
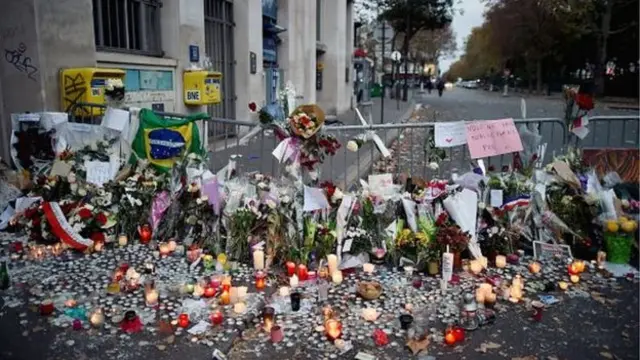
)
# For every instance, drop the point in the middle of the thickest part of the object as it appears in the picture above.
(381, 184)
(492, 137)
(98, 172)
(547, 251)
(449, 134)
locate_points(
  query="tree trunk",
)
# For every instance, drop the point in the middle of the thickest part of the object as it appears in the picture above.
(539, 76)
(601, 50)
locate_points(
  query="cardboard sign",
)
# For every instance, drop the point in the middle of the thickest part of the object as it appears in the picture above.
(492, 137)
(546, 251)
(449, 134)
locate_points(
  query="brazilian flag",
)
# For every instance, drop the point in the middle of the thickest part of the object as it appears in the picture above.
(163, 140)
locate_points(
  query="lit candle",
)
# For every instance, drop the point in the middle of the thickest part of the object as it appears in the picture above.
(601, 258)
(370, 314)
(242, 293)
(480, 295)
(164, 249)
(332, 263)
(408, 270)
(327, 312)
(475, 266)
(368, 268)
(486, 288)
(183, 320)
(563, 285)
(450, 337)
(534, 267)
(172, 245)
(198, 290)
(336, 276)
(70, 303)
(123, 239)
(209, 292)
(483, 261)
(258, 260)
(573, 268)
(239, 308)
(303, 274)
(268, 317)
(579, 265)
(260, 280)
(333, 329)
(501, 261)
(291, 268)
(490, 299)
(233, 295)
(99, 246)
(226, 283)
(225, 297)
(145, 233)
(97, 318)
(515, 291)
(293, 282)
(216, 317)
(323, 272)
(574, 279)
(151, 297)
(284, 291)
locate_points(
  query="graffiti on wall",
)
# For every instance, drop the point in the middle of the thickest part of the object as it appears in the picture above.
(74, 89)
(21, 61)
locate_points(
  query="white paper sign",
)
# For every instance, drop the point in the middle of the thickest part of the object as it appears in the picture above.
(28, 117)
(116, 119)
(448, 134)
(410, 210)
(98, 172)
(347, 245)
(496, 197)
(447, 266)
(314, 199)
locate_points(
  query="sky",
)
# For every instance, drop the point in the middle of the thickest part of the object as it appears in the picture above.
(462, 25)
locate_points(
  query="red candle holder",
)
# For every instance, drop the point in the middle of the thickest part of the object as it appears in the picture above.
(450, 336)
(216, 317)
(303, 273)
(46, 307)
(261, 278)
(277, 334)
(458, 332)
(183, 320)
(209, 292)
(145, 233)
(76, 324)
(226, 283)
(291, 268)
(333, 329)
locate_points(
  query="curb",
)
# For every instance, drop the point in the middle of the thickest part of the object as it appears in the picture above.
(367, 161)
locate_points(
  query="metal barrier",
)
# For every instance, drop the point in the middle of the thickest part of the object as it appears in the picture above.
(618, 131)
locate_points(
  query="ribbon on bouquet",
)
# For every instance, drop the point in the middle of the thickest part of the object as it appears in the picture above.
(61, 228)
(370, 134)
(288, 148)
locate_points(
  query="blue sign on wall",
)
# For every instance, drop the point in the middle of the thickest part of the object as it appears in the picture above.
(270, 9)
(148, 80)
(194, 53)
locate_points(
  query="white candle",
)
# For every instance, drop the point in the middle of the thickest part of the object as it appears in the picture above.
(284, 291)
(97, 318)
(172, 245)
(408, 270)
(242, 293)
(332, 263)
(239, 308)
(336, 276)
(151, 297)
(369, 314)
(198, 290)
(293, 282)
(258, 260)
(475, 266)
(234, 295)
(501, 261)
(368, 268)
(123, 239)
(483, 261)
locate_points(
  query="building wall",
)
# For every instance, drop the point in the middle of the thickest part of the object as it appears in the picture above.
(248, 39)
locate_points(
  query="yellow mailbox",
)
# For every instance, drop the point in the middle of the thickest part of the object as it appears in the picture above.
(86, 85)
(202, 87)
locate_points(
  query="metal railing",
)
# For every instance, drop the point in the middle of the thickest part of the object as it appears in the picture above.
(615, 131)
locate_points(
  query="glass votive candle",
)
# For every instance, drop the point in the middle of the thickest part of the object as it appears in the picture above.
(261, 280)
(333, 329)
(323, 290)
(215, 281)
(183, 320)
(368, 268)
(291, 268)
(405, 321)
(46, 307)
(417, 282)
(277, 334)
(295, 301)
(268, 318)
(216, 317)
(501, 261)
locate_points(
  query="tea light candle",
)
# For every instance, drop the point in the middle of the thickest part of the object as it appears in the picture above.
(123, 240)
(225, 297)
(183, 320)
(268, 317)
(515, 291)
(216, 317)
(333, 329)
(303, 273)
(239, 308)
(258, 260)
(293, 282)
(408, 270)
(501, 261)
(563, 285)
(480, 295)
(97, 318)
(574, 279)
(71, 303)
(486, 288)
(484, 262)
(579, 265)
(534, 267)
(242, 293)
(198, 290)
(284, 291)
(332, 263)
(99, 246)
(172, 244)
(370, 314)
(475, 267)
(490, 299)
(368, 268)
(291, 268)
(151, 297)
(601, 258)
(336, 277)
(260, 280)
(164, 249)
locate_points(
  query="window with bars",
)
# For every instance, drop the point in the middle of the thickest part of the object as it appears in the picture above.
(131, 26)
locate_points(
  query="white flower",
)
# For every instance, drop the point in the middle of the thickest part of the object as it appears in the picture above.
(313, 175)
(352, 146)
(191, 156)
(285, 199)
(138, 202)
(89, 207)
(77, 227)
(434, 165)
(73, 187)
(82, 192)
(337, 195)
(481, 205)
(259, 177)
(625, 203)
(199, 201)
(204, 198)
(93, 147)
(271, 204)
(72, 178)
(262, 185)
(494, 230)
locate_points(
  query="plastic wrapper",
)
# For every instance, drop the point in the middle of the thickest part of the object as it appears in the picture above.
(236, 191)
(531, 140)
(159, 206)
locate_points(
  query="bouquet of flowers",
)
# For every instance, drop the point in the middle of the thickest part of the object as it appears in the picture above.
(114, 89)
(90, 222)
(453, 237)
(361, 240)
(578, 103)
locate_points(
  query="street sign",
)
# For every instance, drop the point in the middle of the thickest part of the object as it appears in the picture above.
(388, 33)
(194, 53)
(396, 56)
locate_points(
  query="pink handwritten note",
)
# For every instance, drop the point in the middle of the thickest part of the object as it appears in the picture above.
(492, 137)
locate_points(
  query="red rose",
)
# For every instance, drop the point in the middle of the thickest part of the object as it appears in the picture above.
(329, 188)
(85, 213)
(36, 221)
(31, 212)
(584, 101)
(97, 237)
(101, 219)
(253, 107)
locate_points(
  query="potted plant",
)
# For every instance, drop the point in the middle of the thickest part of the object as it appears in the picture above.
(432, 257)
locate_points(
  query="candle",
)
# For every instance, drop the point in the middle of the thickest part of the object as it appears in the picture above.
(277, 334)
(501, 261)
(239, 308)
(225, 297)
(295, 301)
(563, 285)
(490, 300)
(260, 280)
(333, 329)
(183, 320)
(233, 295)
(97, 318)
(76, 324)
(486, 288)
(70, 303)
(480, 295)
(573, 268)
(284, 291)
(336, 277)
(226, 283)
(151, 297)
(98, 246)
(216, 317)
(327, 312)
(408, 270)
(215, 281)
(515, 291)
(268, 317)
(145, 233)
(123, 239)
(242, 293)
(332, 263)
(370, 314)
(368, 268)
(601, 258)
(534, 267)
(293, 282)
(164, 249)
(579, 264)
(574, 279)
(291, 268)
(172, 245)
(46, 307)
(449, 336)
(209, 292)
(483, 261)
(303, 274)
(323, 272)
(258, 260)
(198, 290)
(475, 266)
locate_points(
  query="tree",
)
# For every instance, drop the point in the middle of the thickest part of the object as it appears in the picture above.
(431, 45)
(481, 57)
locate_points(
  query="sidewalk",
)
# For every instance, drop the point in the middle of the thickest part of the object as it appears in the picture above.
(344, 168)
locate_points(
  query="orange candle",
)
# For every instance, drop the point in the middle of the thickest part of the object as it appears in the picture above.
(225, 297)
(260, 280)
(450, 336)
(303, 273)
(333, 328)
(291, 268)
(226, 283)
